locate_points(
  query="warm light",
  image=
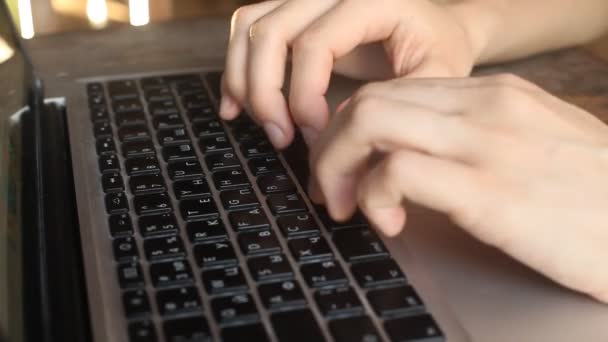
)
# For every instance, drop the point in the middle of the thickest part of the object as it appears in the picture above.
(25, 19)
(6, 52)
(139, 13)
(97, 13)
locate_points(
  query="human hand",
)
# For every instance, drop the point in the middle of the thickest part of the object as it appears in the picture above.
(514, 166)
(416, 38)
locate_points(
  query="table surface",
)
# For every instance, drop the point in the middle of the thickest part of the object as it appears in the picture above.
(575, 75)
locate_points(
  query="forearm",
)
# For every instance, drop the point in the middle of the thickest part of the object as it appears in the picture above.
(502, 30)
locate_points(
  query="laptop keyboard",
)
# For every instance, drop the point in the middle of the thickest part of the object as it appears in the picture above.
(213, 239)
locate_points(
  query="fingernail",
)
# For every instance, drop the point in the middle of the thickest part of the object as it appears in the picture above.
(227, 106)
(274, 133)
(310, 134)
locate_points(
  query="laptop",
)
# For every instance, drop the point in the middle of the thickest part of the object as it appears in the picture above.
(130, 212)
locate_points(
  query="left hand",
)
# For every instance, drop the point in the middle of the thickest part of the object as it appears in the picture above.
(514, 166)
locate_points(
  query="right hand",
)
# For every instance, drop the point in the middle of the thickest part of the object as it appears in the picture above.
(413, 38)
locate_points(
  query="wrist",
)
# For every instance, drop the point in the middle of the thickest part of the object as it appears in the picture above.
(480, 21)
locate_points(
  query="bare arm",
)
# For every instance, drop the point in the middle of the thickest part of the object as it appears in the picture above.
(509, 29)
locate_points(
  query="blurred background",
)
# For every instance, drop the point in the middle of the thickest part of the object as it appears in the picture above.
(42, 17)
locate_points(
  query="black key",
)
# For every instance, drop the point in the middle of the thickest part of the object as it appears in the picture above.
(260, 166)
(131, 118)
(310, 249)
(259, 242)
(117, 203)
(191, 188)
(185, 169)
(257, 148)
(206, 230)
(120, 225)
(356, 221)
(172, 136)
(102, 128)
(178, 301)
(338, 302)
(285, 203)
(195, 329)
(158, 94)
(204, 113)
(152, 204)
(127, 105)
(224, 280)
(274, 183)
(138, 148)
(296, 326)
(168, 121)
(198, 209)
(121, 90)
(249, 333)
(235, 308)
(195, 100)
(239, 199)
(207, 128)
(354, 329)
(164, 248)
(142, 165)
(112, 182)
(109, 163)
(135, 303)
(99, 113)
(416, 328)
(130, 275)
(178, 152)
(225, 180)
(169, 273)
(156, 225)
(248, 219)
(94, 88)
(298, 225)
(253, 133)
(216, 144)
(281, 295)
(377, 273)
(125, 249)
(395, 301)
(154, 82)
(359, 243)
(105, 145)
(324, 274)
(215, 254)
(133, 132)
(222, 161)
(164, 107)
(270, 267)
(142, 331)
(96, 98)
(144, 184)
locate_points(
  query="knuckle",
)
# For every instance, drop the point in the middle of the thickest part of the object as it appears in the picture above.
(244, 16)
(305, 42)
(263, 29)
(507, 79)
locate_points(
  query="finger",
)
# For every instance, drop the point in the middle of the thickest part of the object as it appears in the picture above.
(370, 124)
(268, 45)
(234, 79)
(313, 54)
(443, 185)
(229, 107)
